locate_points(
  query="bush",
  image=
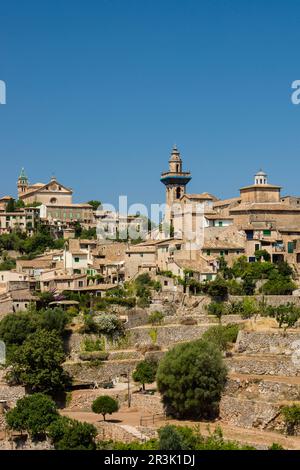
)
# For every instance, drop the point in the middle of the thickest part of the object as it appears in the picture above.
(33, 414)
(69, 434)
(217, 309)
(89, 325)
(262, 254)
(94, 356)
(110, 325)
(145, 373)
(105, 405)
(90, 345)
(156, 318)
(191, 377)
(291, 416)
(222, 336)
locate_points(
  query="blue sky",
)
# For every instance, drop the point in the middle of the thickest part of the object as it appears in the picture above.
(99, 91)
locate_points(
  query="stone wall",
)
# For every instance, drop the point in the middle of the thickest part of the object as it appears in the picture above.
(84, 372)
(274, 300)
(167, 335)
(249, 413)
(263, 365)
(277, 342)
(272, 390)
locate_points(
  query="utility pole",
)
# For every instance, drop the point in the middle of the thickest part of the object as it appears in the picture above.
(128, 388)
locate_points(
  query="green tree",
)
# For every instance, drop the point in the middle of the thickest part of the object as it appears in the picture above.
(259, 254)
(14, 329)
(218, 289)
(33, 413)
(95, 204)
(70, 434)
(222, 336)
(170, 438)
(145, 373)
(11, 205)
(105, 405)
(37, 363)
(191, 377)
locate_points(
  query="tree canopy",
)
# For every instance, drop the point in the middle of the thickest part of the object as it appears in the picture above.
(191, 377)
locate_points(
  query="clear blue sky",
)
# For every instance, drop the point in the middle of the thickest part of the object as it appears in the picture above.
(98, 92)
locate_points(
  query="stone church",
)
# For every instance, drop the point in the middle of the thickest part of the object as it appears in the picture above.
(52, 192)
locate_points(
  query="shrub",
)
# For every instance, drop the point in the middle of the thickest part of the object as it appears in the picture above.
(145, 373)
(291, 416)
(33, 413)
(222, 336)
(105, 405)
(191, 377)
(70, 434)
(217, 309)
(90, 345)
(94, 355)
(156, 318)
(89, 325)
(110, 325)
(262, 254)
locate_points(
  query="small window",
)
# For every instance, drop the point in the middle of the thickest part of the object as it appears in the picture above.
(80, 283)
(222, 253)
(208, 252)
(226, 252)
(166, 283)
(267, 233)
(76, 260)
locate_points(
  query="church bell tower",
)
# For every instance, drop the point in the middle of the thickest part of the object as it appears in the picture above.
(175, 181)
(22, 183)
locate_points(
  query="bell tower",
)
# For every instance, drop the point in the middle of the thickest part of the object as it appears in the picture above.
(175, 181)
(22, 183)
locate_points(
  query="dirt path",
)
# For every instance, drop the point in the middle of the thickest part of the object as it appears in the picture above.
(132, 416)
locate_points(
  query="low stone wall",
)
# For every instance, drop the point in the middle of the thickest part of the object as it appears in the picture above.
(113, 432)
(274, 300)
(249, 413)
(84, 372)
(167, 335)
(277, 342)
(150, 404)
(264, 365)
(262, 389)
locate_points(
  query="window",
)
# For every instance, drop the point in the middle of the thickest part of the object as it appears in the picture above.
(208, 252)
(257, 247)
(267, 233)
(80, 283)
(221, 253)
(249, 234)
(220, 223)
(53, 200)
(76, 260)
(226, 252)
(166, 283)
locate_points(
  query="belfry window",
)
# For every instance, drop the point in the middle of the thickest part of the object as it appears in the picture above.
(178, 193)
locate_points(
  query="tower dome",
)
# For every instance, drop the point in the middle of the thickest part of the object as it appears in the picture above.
(261, 177)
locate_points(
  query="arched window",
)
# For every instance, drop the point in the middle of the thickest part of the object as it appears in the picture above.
(53, 200)
(177, 168)
(178, 193)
